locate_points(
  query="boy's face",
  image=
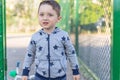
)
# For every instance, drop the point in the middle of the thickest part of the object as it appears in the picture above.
(47, 16)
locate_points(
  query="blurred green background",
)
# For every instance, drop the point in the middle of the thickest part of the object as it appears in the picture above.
(22, 15)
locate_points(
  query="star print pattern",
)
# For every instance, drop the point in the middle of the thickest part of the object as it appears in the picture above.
(68, 38)
(54, 32)
(60, 70)
(40, 33)
(55, 47)
(27, 68)
(62, 53)
(32, 42)
(63, 38)
(40, 48)
(48, 56)
(37, 66)
(29, 55)
(44, 72)
(76, 66)
(73, 51)
(51, 64)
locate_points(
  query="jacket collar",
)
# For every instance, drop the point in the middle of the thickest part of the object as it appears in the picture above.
(53, 32)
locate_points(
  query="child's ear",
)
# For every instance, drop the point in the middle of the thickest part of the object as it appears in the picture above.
(59, 18)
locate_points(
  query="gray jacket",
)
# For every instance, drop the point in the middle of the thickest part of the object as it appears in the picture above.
(50, 53)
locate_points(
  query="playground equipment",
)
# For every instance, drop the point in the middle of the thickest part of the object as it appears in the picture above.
(15, 73)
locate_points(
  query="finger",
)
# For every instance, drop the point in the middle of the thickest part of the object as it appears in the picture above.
(77, 78)
(74, 78)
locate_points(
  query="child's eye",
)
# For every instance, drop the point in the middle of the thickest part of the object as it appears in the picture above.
(50, 14)
(41, 14)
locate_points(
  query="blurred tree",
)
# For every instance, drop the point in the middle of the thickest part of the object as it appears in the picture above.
(107, 7)
(23, 13)
(90, 12)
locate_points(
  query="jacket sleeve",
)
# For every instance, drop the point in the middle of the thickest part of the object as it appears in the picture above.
(71, 55)
(29, 57)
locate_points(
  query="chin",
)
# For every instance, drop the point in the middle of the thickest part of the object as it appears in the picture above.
(46, 27)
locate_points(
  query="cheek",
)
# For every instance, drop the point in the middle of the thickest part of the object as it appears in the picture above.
(40, 20)
(39, 17)
(55, 21)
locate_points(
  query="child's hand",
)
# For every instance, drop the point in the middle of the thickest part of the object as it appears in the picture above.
(24, 77)
(76, 77)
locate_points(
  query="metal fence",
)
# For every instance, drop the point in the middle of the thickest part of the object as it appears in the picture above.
(89, 23)
(94, 51)
(94, 47)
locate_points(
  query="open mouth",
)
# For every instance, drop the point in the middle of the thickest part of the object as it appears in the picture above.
(45, 23)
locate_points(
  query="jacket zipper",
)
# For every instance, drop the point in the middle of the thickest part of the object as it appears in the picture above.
(49, 56)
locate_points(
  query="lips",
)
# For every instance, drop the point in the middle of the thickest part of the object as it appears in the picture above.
(45, 23)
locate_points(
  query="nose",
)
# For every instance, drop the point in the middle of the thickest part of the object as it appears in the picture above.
(45, 17)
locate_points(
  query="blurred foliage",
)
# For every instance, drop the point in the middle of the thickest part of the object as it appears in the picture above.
(89, 12)
(21, 14)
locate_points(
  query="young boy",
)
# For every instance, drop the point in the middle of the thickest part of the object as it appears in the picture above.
(50, 47)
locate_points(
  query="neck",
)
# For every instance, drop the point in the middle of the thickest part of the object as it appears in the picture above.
(49, 30)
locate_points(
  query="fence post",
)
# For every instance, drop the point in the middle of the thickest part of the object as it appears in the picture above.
(76, 3)
(3, 67)
(65, 4)
(115, 53)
